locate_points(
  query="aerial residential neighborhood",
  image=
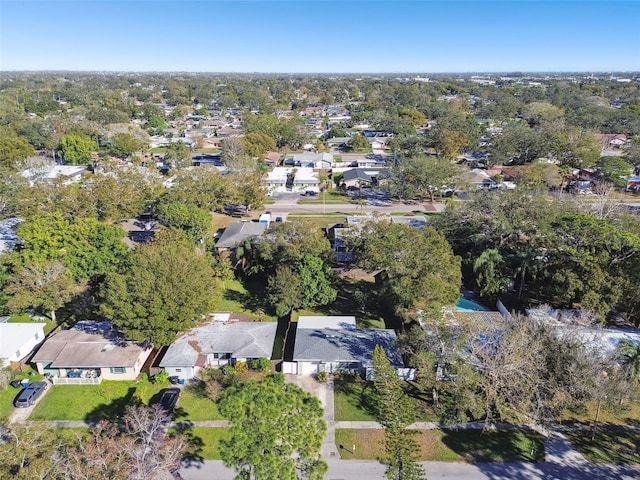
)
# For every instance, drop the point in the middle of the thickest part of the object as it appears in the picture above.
(285, 242)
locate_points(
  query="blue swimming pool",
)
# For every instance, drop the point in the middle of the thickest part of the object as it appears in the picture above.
(466, 305)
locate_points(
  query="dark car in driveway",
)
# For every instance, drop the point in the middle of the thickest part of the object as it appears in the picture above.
(169, 398)
(29, 395)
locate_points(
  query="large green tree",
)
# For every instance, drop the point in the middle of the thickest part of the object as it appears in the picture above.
(124, 145)
(163, 291)
(276, 431)
(77, 149)
(193, 220)
(89, 249)
(425, 177)
(305, 285)
(417, 269)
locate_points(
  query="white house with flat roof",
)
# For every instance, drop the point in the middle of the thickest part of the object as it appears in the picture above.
(17, 340)
(292, 179)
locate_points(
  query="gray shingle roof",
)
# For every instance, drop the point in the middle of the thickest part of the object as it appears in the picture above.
(238, 232)
(241, 339)
(349, 345)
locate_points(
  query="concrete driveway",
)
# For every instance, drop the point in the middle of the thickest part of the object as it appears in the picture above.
(21, 415)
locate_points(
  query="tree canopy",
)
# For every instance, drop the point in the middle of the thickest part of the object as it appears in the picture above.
(276, 431)
(165, 287)
(417, 268)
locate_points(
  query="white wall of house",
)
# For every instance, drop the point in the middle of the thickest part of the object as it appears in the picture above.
(24, 350)
(183, 372)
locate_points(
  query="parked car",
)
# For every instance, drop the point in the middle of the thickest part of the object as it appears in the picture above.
(169, 398)
(29, 395)
(278, 219)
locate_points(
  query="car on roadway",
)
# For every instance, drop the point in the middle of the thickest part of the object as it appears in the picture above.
(29, 395)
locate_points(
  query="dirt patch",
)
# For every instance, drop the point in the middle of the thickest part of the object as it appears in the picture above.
(357, 274)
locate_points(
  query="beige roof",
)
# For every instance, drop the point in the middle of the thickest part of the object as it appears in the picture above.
(79, 349)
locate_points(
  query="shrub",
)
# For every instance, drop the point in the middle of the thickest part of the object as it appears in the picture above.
(322, 377)
(161, 378)
(241, 367)
(262, 364)
(229, 370)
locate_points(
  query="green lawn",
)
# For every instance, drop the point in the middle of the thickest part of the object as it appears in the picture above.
(92, 402)
(194, 406)
(448, 446)
(607, 447)
(206, 441)
(319, 220)
(614, 413)
(250, 301)
(330, 198)
(7, 396)
(356, 401)
(26, 318)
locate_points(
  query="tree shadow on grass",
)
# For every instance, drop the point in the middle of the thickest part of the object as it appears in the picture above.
(193, 453)
(478, 446)
(361, 394)
(114, 410)
(251, 300)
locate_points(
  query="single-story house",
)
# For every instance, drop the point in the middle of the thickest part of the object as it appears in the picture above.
(338, 141)
(362, 177)
(48, 173)
(294, 179)
(481, 179)
(236, 233)
(17, 340)
(89, 353)
(321, 161)
(222, 341)
(335, 344)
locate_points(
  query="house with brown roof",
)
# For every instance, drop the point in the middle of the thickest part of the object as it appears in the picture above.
(89, 353)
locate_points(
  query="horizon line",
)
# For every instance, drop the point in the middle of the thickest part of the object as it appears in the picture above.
(405, 72)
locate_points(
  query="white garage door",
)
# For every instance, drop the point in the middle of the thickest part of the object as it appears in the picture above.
(307, 368)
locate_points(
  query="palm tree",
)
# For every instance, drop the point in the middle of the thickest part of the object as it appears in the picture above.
(630, 358)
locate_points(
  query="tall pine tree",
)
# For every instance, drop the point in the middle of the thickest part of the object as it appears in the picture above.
(395, 414)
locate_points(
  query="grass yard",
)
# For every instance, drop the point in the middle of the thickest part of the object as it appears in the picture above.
(355, 401)
(92, 402)
(611, 413)
(205, 441)
(448, 446)
(330, 198)
(26, 318)
(619, 448)
(250, 301)
(7, 396)
(319, 220)
(194, 405)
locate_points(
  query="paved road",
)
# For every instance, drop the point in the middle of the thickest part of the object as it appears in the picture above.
(563, 462)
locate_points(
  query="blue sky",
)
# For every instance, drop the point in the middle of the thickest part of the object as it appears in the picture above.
(320, 36)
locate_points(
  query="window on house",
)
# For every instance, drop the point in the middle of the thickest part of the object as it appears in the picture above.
(178, 370)
(118, 369)
(222, 355)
